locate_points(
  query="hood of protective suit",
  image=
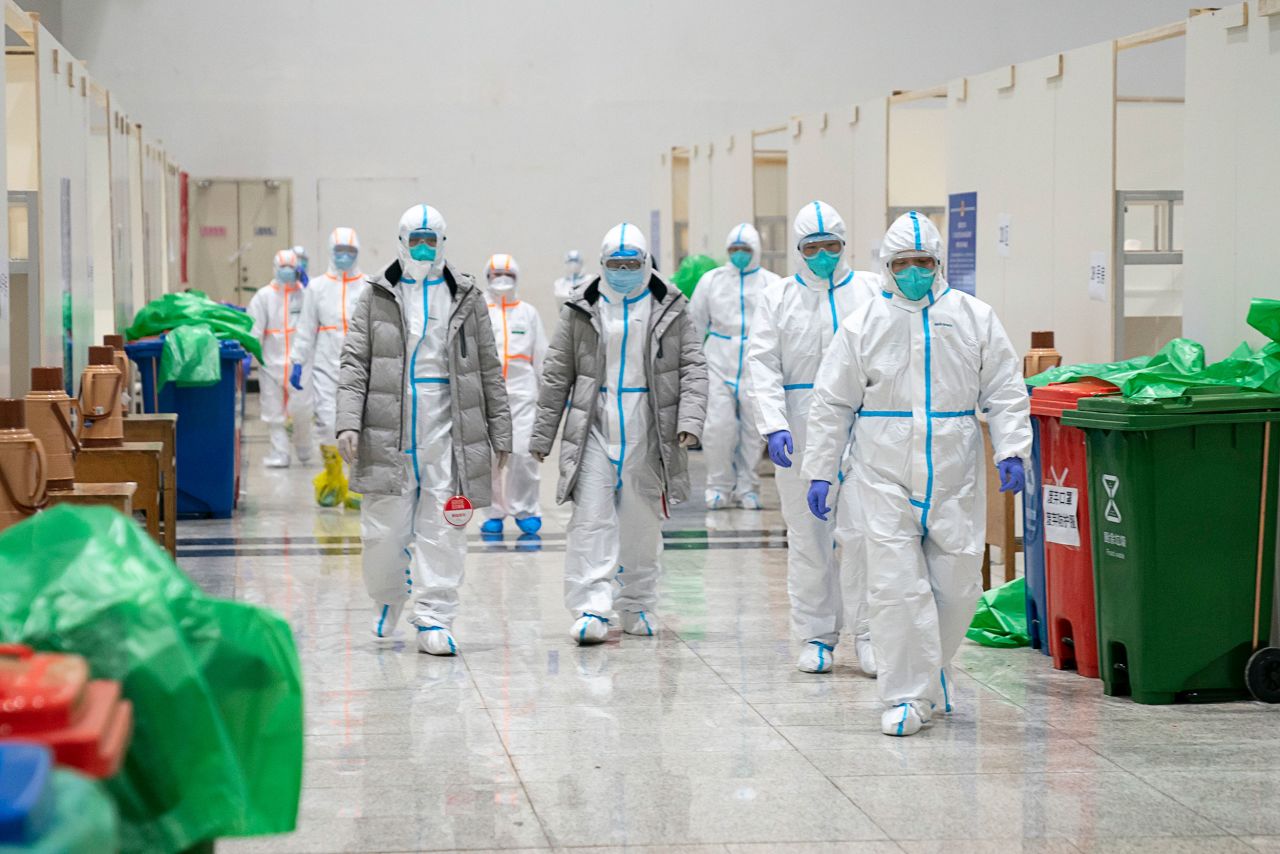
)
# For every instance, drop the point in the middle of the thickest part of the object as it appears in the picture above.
(818, 218)
(417, 218)
(626, 239)
(501, 268)
(284, 258)
(746, 233)
(343, 236)
(912, 232)
(573, 261)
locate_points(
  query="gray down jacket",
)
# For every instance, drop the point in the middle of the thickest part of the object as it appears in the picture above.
(574, 367)
(371, 386)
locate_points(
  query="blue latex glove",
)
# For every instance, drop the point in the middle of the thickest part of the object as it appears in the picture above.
(779, 446)
(295, 377)
(1013, 478)
(818, 490)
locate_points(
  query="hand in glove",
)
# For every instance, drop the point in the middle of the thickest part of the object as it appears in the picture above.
(780, 445)
(818, 490)
(687, 440)
(347, 444)
(1013, 478)
(295, 377)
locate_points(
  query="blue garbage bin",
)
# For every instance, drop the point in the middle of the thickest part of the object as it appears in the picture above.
(1033, 550)
(210, 419)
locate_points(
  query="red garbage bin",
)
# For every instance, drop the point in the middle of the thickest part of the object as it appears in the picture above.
(1068, 559)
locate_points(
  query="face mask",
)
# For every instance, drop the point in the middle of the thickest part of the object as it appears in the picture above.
(623, 282)
(741, 260)
(575, 267)
(286, 275)
(502, 285)
(343, 261)
(914, 282)
(823, 264)
(302, 264)
(422, 252)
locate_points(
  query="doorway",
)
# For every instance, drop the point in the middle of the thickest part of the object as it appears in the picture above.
(237, 225)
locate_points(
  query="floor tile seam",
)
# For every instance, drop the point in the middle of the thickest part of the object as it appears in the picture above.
(506, 752)
(800, 752)
(1193, 810)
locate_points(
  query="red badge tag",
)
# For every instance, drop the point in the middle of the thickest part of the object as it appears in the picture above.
(458, 511)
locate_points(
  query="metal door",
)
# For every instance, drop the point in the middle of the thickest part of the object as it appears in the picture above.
(236, 228)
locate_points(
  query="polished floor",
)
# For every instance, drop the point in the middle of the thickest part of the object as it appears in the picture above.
(705, 739)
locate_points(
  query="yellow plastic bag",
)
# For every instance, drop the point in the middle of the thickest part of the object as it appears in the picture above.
(331, 483)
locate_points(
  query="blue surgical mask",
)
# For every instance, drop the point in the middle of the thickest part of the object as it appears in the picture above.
(914, 282)
(344, 261)
(823, 264)
(623, 282)
(422, 252)
(740, 259)
(286, 275)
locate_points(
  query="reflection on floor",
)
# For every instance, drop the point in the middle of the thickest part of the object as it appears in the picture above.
(705, 738)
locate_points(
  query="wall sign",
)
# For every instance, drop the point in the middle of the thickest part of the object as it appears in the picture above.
(962, 246)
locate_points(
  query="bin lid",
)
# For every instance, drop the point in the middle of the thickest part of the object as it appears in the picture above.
(38, 691)
(228, 348)
(1057, 398)
(25, 771)
(1208, 405)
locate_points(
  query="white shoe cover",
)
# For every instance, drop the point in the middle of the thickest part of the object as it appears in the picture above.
(637, 623)
(750, 501)
(275, 461)
(386, 622)
(815, 657)
(866, 655)
(715, 501)
(436, 640)
(589, 629)
(901, 720)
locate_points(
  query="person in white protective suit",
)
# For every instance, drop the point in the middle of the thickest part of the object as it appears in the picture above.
(522, 344)
(723, 303)
(572, 279)
(326, 318)
(422, 415)
(629, 363)
(795, 321)
(276, 309)
(909, 372)
(304, 265)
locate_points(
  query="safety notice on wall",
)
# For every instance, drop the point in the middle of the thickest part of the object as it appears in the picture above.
(1062, 515)
(962, 246)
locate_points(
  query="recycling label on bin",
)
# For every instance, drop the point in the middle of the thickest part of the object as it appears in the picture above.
(1114, 543)
(1062, 515)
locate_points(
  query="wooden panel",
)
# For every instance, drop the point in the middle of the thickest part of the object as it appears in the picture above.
(1232, 181)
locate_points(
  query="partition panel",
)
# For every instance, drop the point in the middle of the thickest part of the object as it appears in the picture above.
(121, 216)
(866, 218)
(1036, 142)
(732, 189)
(1230, 250)
(701, 200)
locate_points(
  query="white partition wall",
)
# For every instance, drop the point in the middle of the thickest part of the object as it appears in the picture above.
(662, 214)
(1231, 251)
(102, 269)
(1036, 143)
(126, 304)
(701, 199)
(732, 189)
(153, 217)
(917, 166)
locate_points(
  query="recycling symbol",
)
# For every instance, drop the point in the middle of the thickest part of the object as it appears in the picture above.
(1111, 484)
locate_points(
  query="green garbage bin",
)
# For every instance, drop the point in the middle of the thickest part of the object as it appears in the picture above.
(1182, 494)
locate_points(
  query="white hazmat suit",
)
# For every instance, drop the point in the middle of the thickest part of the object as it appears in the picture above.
(795, 322)
(572, 279)
(522, 343)
(276, 310)
(723, 304)
(910, 378)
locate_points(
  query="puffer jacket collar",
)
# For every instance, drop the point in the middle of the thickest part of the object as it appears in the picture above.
(390, 277)
(664, 294)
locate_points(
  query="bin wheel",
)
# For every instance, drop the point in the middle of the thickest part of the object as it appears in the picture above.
(1262, 675)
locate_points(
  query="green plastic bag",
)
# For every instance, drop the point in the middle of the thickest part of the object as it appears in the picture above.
(174, 310)
(1180, 357)
(191, 356)
(691, 270)
(215, 685)
(1001, 619)
(82, 819)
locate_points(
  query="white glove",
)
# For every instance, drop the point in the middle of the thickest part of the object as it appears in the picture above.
(347, 444)
(502, 456)
(542, 458)
(687, 440)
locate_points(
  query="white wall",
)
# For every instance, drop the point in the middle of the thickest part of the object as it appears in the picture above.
(534, 124)
(1231, 253)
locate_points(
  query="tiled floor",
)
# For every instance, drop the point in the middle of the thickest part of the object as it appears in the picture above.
(705, 739)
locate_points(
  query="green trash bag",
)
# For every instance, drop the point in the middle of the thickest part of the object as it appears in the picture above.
(691, 270)
(82, 819)
(1180, 357)
(174, 310)
(215, 685)
(191, 356)
(1001, 619)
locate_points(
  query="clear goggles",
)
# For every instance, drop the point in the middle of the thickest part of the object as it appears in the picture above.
(812, 245)
(633, 260)
(423, 238)
(900, 261)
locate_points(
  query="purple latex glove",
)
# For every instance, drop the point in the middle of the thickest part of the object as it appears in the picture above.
(779, 446)
(1013, 478)
(818, 490)
(295, 377)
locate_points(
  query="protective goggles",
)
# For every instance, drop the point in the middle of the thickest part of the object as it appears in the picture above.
(740, 247)
(811, 246)
(912, 258)
(345, 250)
(624, 263)
(421, 238)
